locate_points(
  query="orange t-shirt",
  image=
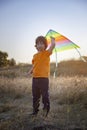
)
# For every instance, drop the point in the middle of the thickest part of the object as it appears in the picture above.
(41, 64)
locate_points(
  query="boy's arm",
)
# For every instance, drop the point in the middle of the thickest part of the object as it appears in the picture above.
(30, 71)
(52, 45)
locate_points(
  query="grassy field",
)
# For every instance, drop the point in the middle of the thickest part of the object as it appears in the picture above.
(68, 96)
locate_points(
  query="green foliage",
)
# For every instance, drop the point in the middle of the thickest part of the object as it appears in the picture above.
(12, 62)
(3, 59)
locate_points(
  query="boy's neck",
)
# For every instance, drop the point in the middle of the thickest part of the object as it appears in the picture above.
(40, 51)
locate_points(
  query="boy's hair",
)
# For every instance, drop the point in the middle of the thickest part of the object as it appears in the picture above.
(41, 39)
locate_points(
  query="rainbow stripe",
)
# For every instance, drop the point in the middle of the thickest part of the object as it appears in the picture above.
(62, 43)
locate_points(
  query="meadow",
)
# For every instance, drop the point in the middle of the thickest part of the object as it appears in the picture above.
(68, 96)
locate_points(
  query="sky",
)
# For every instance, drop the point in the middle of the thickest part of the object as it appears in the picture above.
(21, 21)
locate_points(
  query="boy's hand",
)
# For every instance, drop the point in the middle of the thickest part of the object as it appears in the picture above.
(52, 44)
(28, 74)
(30, 71)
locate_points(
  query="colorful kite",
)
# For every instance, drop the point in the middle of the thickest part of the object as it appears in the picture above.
(62, 43)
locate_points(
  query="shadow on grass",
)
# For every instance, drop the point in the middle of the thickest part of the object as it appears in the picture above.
(46, 127)
(54, 128)
(39, 128)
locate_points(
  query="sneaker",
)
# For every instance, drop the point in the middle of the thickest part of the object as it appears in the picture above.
(34, 114)
(45, 112)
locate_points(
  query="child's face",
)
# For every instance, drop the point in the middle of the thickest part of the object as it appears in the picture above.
(40, 46)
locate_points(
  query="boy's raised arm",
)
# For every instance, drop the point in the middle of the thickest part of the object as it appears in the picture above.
(52, 45)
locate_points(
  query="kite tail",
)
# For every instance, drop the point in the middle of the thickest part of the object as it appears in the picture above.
(55, 72)
(83, 59)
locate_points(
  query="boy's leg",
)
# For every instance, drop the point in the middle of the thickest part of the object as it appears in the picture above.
(36, 95)
(45, 94)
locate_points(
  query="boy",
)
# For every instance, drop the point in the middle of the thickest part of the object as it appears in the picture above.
(40, 72)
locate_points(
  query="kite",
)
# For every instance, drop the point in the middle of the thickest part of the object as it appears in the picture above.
(62, 43)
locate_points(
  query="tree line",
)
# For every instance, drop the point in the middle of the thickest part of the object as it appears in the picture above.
(4, 61)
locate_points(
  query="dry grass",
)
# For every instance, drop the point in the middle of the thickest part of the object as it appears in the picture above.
(72, 68)
(68, 96)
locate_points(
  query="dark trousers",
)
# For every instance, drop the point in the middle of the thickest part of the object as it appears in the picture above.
(40, 87)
